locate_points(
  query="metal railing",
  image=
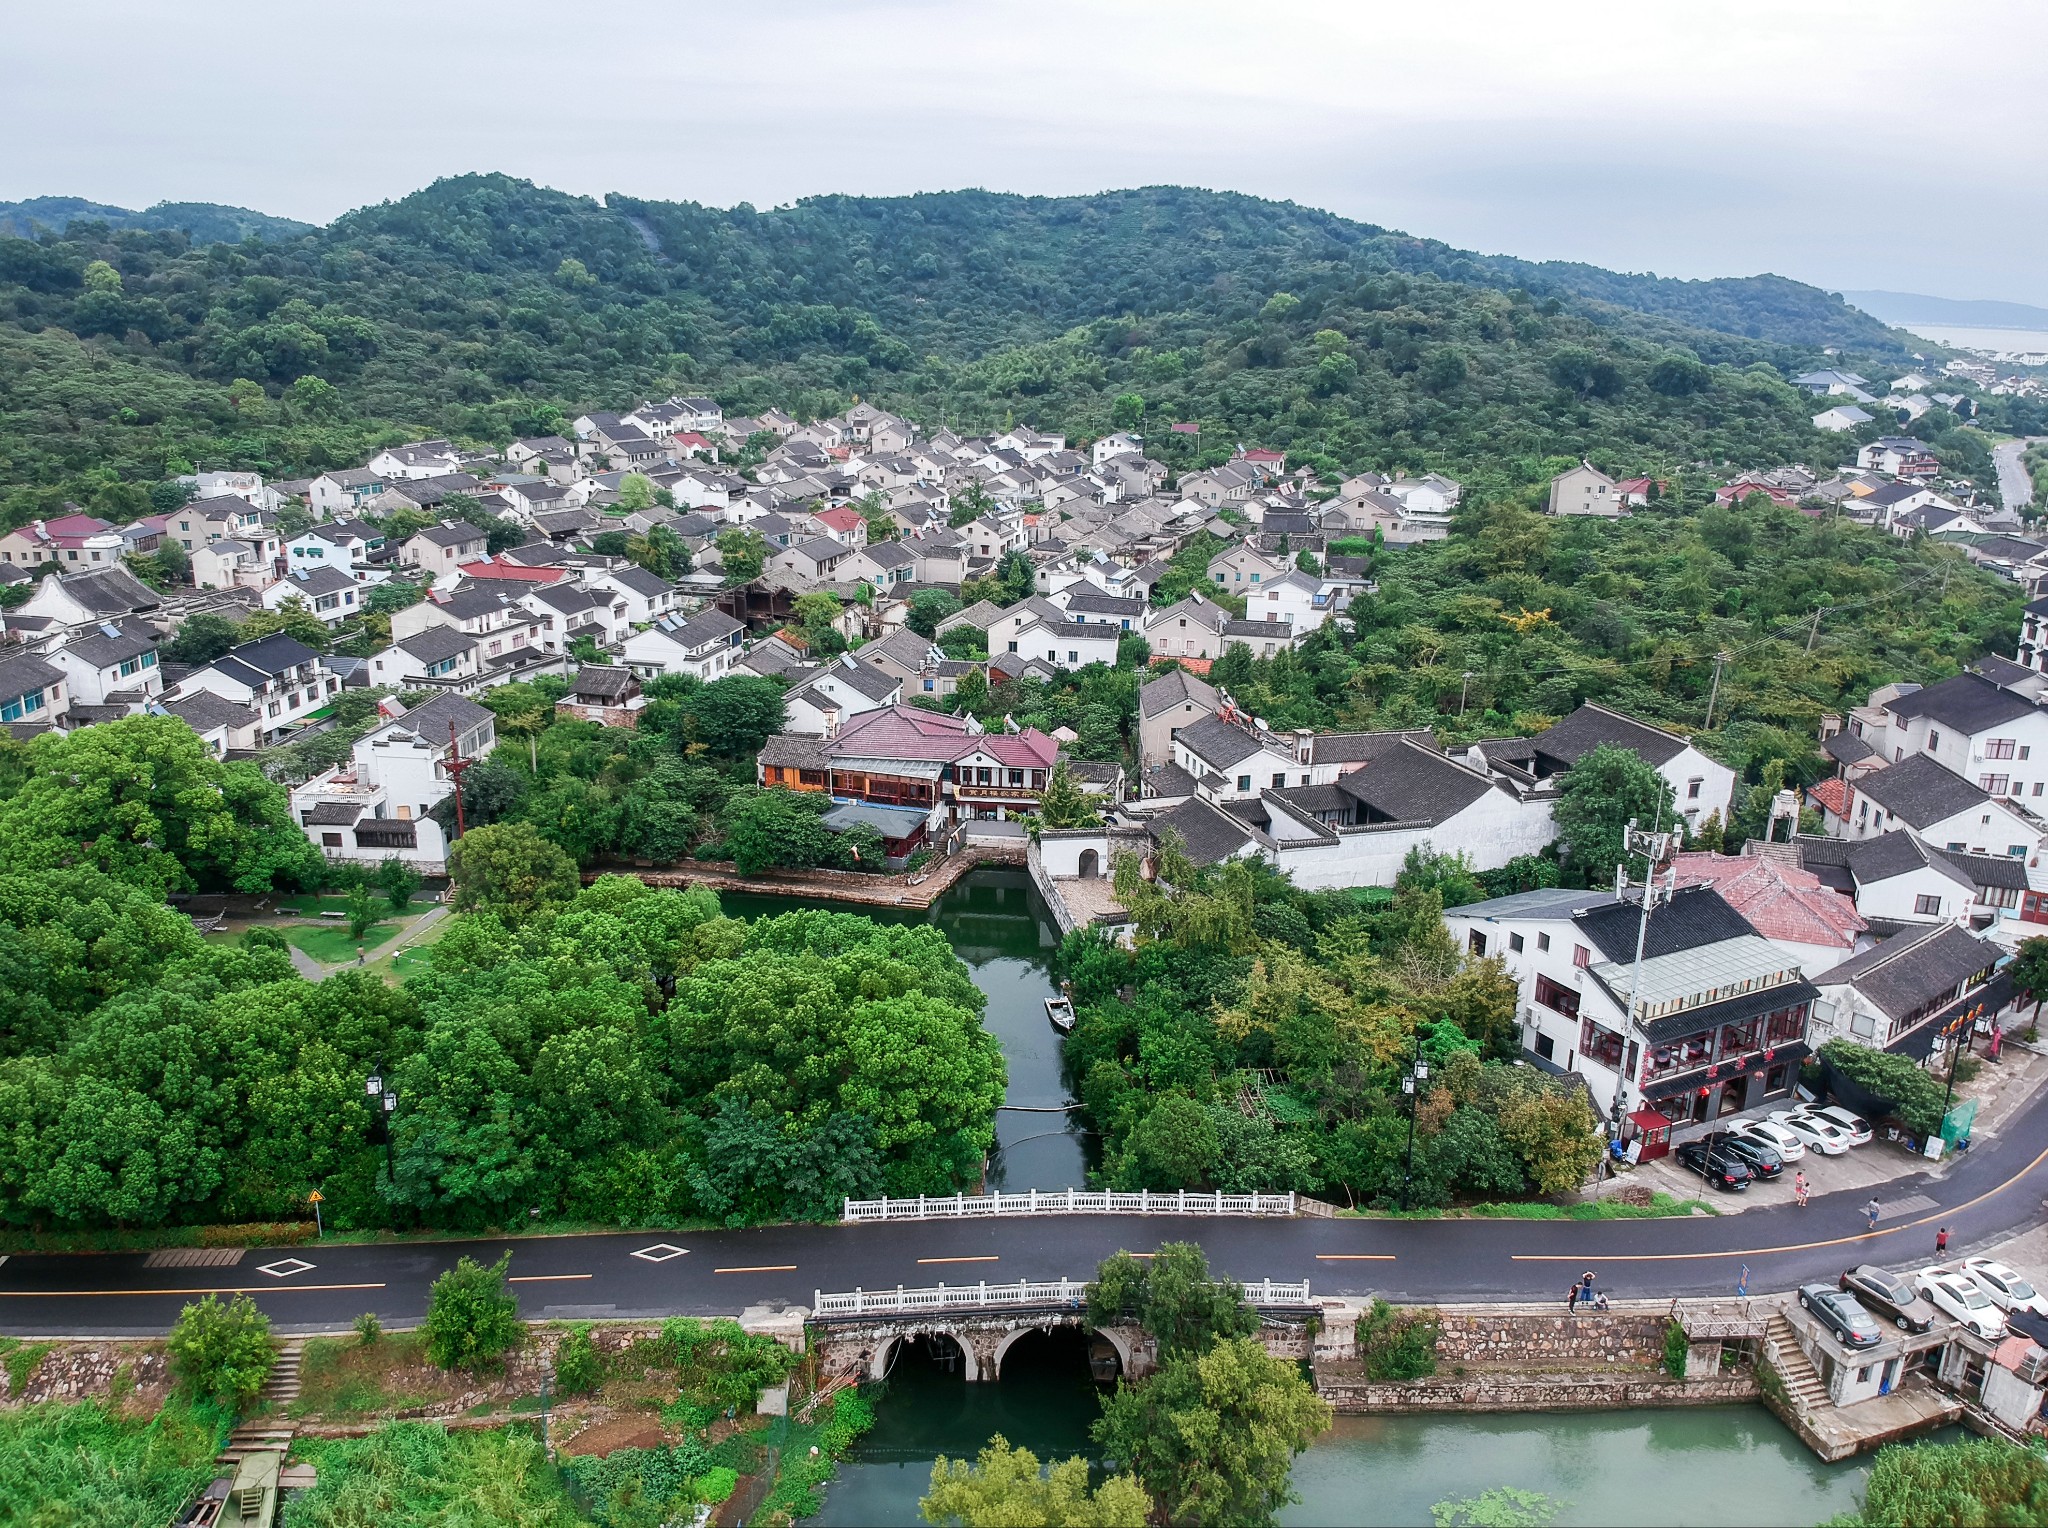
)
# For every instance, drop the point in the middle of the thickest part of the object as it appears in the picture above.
(1071, 1201)
(1068, 1293)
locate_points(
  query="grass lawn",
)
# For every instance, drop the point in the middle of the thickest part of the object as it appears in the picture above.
(340, 1379)
(312, 904)
(334, 945)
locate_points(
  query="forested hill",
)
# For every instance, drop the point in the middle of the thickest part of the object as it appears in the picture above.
(485, 306)
(203, 222)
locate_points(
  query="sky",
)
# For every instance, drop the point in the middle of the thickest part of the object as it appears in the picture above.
(1879, 144)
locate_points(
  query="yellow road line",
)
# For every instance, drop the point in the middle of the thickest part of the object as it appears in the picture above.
(765, 1268)
(987, 1258)
(546, 1278)
(1813, 1246)
(213, 1289)
(1354, 1257)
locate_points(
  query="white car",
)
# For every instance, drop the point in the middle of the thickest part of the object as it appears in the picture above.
(1788, 1145)
(1958, 1297)
(1828, 1139)
(2008, 1289)
(1854, 1125)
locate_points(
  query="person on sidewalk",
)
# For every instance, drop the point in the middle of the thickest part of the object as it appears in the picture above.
(1941, 1242)
(1571, 1300)
(1873, 1210)
(1799, 1188)
(1586, 1288)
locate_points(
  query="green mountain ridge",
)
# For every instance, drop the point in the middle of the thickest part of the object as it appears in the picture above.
(485, 306)
(205, 222)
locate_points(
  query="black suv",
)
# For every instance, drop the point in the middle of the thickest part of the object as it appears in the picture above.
(1718, 1165)
(1762, 1157)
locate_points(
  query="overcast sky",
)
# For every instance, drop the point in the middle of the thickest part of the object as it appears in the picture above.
(1875, 144)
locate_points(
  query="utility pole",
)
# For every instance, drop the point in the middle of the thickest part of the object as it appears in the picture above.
(1715, 694)
(1815, 630)
(455, 766)
(1464, 685)
(1655, 847)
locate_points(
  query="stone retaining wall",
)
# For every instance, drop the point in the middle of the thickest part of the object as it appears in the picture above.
(1523, 1338)
(1352, 1394)
(101, 1371)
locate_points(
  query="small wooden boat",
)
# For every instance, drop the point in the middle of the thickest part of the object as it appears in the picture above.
(1103, 1364)
(1061, 1011)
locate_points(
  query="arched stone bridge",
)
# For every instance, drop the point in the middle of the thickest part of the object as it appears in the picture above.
(858, 1334)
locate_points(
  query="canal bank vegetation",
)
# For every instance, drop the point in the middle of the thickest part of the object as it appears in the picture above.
(1973, 1483)
(612, 1054)
(1259, 1037)
(95, 1463)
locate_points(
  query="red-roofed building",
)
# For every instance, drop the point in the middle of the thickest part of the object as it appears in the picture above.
(690, 443)
(848, 527)
(1834, 798)
(1264, 458)
(62, 539)
(1636, 490)
(511, 572)
(1736, 493)
(904, 756)
(1814, 924)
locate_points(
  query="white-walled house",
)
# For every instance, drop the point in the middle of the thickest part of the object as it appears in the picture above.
(1701, 787)
(705, 647)
(1586, 490)
(110, 664)
(1896, 995)
(826, 701)
(378, 805)
(328, 593)
(1974, 728)
(1943, 808)
(278, 677)
(649, 597)
(1722, 1020)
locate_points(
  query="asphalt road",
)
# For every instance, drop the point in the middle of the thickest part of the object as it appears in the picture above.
(2015, 485)
(1997, 1190)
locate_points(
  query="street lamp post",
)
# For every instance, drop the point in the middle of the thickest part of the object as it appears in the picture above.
(1411, 1085)
(1463, 685)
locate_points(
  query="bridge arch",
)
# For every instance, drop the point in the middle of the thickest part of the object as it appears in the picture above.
(1114, 1338)
(885, 1351)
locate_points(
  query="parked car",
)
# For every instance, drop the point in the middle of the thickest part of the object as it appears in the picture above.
(1817, 1134)
(1890, 1296)
(1785, 1143)
(1840, 1314)
(2009, 1290)
(1718, 1165)
(1761, 1158)
(1855, 1126)
(1957, 1297)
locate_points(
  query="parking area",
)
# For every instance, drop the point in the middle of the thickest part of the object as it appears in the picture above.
(1866, 1171)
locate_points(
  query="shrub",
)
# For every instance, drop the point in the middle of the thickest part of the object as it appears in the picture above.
(1675, 1349)
(368, 1328)
(1915, 1096)
(222, 1352)
(472, 1318)
(577, 1369)
(1398, 1345)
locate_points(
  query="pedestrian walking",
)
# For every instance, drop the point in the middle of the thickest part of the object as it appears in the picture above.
(1873, 1210)
(1941, 1242)
(1586, 1288)
(1571, 1300)
(1799, 1189)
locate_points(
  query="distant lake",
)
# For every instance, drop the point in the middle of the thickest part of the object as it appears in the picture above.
(2001, 341)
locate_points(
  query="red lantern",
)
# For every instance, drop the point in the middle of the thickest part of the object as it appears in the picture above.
(1741, 1063)
(1705, 1091)
(1771, 1054)
(1713, 1072)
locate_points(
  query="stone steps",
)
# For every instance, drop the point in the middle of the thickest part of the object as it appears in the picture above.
(1803, 1387)
(269, 1433)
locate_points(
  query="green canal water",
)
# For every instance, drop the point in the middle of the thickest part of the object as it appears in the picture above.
(1706, 1465)
(1733, 1465)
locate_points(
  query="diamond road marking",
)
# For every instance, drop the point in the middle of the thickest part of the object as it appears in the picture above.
(660, 1252)
(286, 1268)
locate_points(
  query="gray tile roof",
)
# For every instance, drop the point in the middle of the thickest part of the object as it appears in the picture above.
(1593, 726)
(436, 643)
(1217, 742)
(1211, 835)
(23, 673)
(1174, 688)
(1695, 916)
(203, 711)
(1912, 969)
(1920, 792)
(1411, 783)
(1964, 702)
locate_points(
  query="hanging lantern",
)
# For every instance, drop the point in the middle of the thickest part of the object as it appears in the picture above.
(1771, 1054)
(1705, 1091)
(1742, 1063)
(1713, 1072)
